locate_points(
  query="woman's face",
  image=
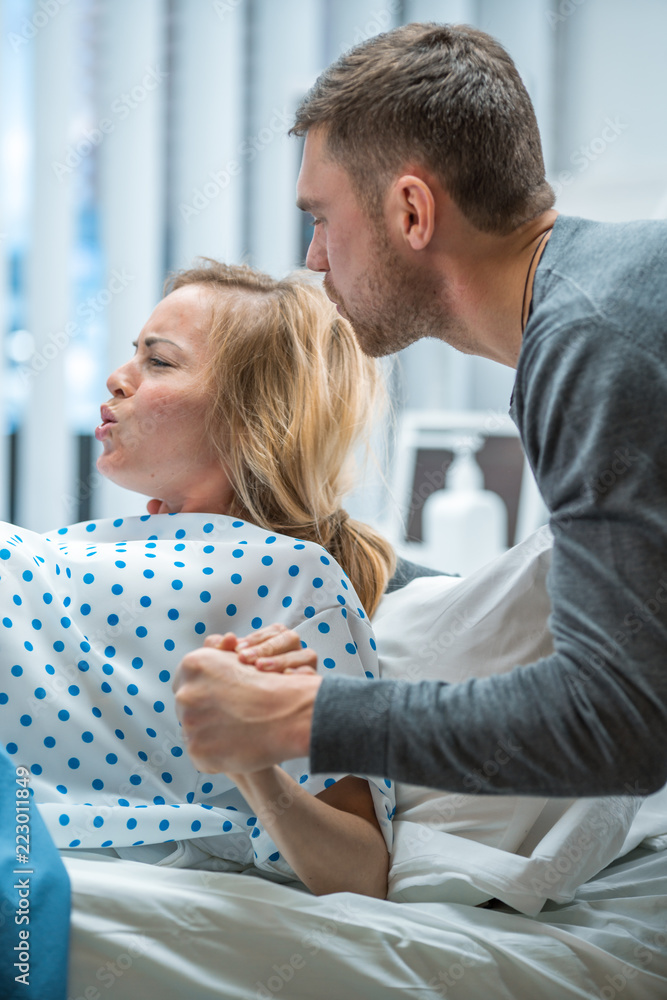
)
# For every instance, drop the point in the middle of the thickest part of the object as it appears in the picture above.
(152, 428)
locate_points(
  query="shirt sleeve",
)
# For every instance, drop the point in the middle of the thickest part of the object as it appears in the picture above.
(590, 719)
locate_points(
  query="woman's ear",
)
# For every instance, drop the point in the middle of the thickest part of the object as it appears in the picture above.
(411, 207)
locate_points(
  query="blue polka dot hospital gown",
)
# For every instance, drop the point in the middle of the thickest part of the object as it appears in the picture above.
(96, 618)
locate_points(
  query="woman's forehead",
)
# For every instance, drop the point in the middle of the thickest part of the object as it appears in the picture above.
(183, 316)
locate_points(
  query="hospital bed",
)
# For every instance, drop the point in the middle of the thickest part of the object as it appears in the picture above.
(489, 897)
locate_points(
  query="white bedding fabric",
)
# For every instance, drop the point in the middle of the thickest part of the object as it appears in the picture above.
(583, 931)
(450, 847)
(168, 934)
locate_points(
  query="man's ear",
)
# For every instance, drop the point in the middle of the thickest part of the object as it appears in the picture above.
(411, 205)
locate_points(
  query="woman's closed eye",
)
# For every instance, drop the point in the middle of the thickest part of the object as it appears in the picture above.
(152, 359)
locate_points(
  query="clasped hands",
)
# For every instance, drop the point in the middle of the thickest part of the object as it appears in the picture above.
(246, 704)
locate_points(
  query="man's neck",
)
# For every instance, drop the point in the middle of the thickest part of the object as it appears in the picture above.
(490, 282)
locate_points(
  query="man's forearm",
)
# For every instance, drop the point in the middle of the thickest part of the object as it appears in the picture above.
(530, 732)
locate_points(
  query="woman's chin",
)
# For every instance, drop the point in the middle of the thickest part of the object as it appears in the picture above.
(102, 465)
(123, 477)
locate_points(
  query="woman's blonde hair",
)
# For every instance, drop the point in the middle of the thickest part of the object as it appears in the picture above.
(292, 393)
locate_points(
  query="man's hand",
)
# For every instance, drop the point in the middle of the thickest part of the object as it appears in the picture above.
(237, 719)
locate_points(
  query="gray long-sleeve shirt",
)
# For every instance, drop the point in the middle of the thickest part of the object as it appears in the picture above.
(590, 402)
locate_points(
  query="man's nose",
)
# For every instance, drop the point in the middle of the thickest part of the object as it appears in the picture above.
(316, 258)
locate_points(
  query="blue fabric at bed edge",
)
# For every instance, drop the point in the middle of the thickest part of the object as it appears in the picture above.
(43, 884)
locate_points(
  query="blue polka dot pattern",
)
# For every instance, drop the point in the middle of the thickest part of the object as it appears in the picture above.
(133, 623)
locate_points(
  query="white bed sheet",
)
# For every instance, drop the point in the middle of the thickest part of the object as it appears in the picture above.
(468, 848)
(176, 934)
(161, 933)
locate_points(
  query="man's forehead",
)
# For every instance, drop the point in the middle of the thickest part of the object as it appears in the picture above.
(320, 177)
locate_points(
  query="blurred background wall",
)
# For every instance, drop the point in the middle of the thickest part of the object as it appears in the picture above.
(137, 134)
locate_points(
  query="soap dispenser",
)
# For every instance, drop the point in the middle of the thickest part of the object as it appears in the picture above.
(464, 525)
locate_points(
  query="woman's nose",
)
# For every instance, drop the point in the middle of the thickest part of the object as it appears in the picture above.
(119, 382)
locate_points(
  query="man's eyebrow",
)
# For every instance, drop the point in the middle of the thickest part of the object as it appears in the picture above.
(306, 205)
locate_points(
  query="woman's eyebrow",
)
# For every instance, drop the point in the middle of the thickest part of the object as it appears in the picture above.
(149, 341)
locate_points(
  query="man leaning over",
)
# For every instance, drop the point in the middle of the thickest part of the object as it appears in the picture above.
(424, 174)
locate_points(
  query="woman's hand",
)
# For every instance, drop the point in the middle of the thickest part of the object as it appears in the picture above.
(273, 648)
(158, 507)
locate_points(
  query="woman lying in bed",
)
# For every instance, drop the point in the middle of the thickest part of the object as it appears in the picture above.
(238, 411)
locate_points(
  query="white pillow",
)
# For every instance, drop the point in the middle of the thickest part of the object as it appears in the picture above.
(469, 848)
(447, 628)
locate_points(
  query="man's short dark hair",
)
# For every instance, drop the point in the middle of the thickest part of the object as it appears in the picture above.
(445, 97)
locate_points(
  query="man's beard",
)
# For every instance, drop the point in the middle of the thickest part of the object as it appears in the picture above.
(395, 305)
